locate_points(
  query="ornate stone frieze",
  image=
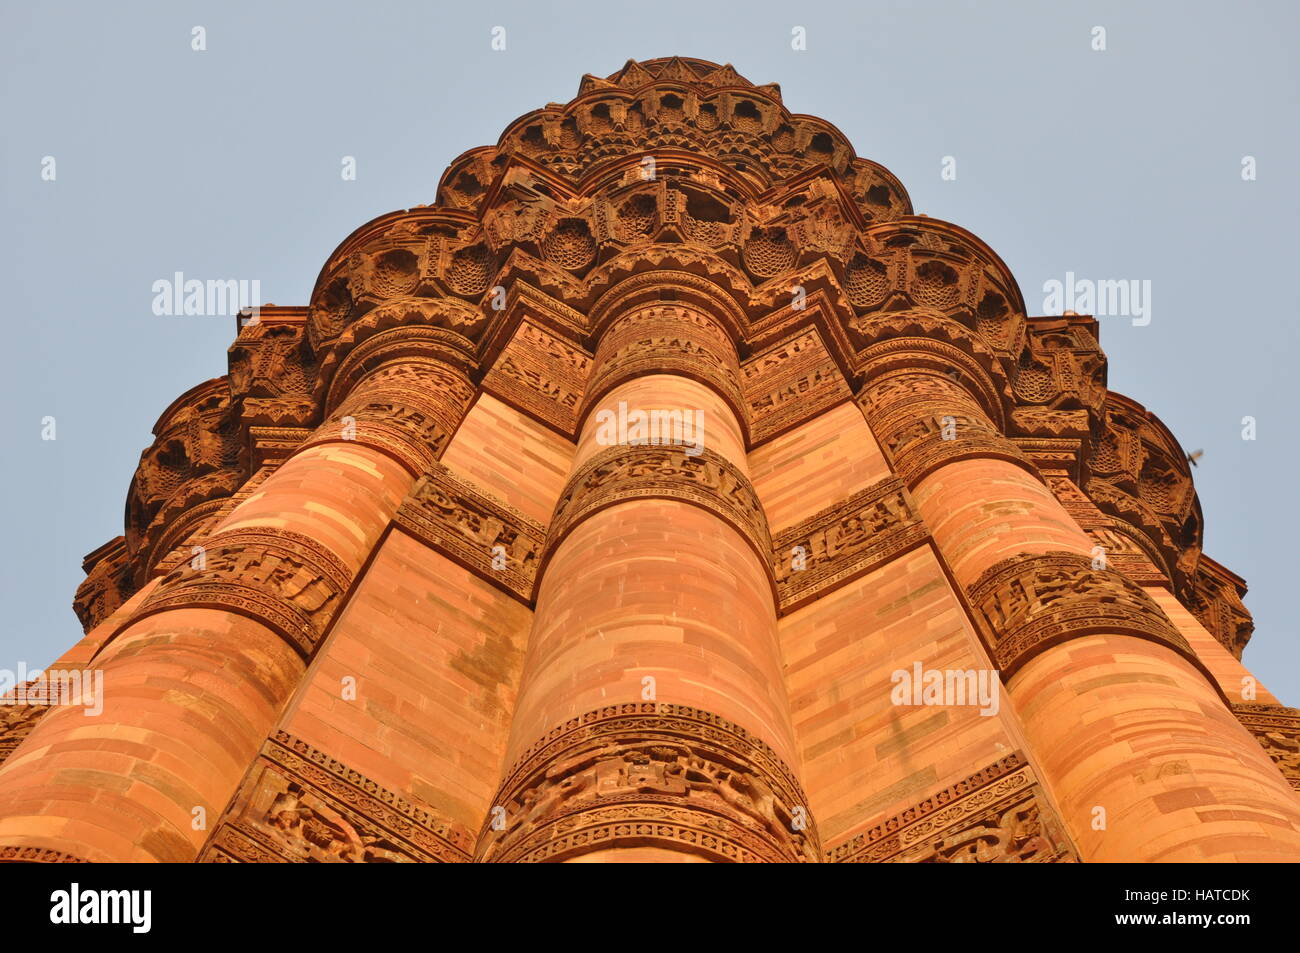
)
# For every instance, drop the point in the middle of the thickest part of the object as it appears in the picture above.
(406, 409)
(919, 445)
(1026, 604)
(1042, 422)
(497, 541)
(286, 580)
(1123, 548)
(109, 583)
(1215, 599)
(16, 723)
(925, 419)
(789, 384)
(650, 774)
(37, 855)
(997, 815)
(844, 541)
(644, 471)
(542, 374)
(1277, 729)
(667, 340)
(299, 805)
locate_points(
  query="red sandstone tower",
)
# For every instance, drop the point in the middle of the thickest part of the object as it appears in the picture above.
(592, 514)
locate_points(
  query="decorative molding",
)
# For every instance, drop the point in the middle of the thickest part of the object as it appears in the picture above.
(286, 580)
(1026, 604)
(647, 471)
(299, 805)
(997, 815)
(1277, 729)
(650, 774)
(1126, 549)
(925, 419)
(17, 722)
(407, 409)
(37, 855)
(791, 383)
(666, 339)
(845, 541)
(542, 374)
(465, 525)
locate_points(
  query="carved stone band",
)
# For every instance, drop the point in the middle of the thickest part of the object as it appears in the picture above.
(919, 443)
(18, 720)
(496, 541)
(845, 541)
(286, 580)
(650, 774)
(790, 384)
(667, 340)
(1277, 729)
(408, 411)
(1026, 604)
(299, 805)
(997, 815)
(37, 855)
(647, 471)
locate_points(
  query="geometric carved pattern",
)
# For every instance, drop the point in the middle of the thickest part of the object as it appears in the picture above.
(650, 774)
(644, 471)
(543, 374)
(407, 410)
(997, 815)
(283, 579)
(845, 541)
(1025, 604)
(37, 855)
(299, 805)
(1277, 729)
(465, 525)
(790, 383)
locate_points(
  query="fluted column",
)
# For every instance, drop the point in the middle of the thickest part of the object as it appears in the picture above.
(1144, 757)
(195, 677)
(652, 720)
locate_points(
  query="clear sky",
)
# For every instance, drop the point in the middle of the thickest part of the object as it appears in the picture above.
(225, 163)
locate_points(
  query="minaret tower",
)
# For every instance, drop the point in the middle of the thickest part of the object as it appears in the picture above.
(624, 505)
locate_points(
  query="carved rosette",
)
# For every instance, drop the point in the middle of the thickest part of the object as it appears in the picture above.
(646, 471)
(845, 541)
(668, 339)
(1277, 729)
(650, 774)
(997, 815)
(498, 542)
(299, 805)
(1026, 604)
(283, 579)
